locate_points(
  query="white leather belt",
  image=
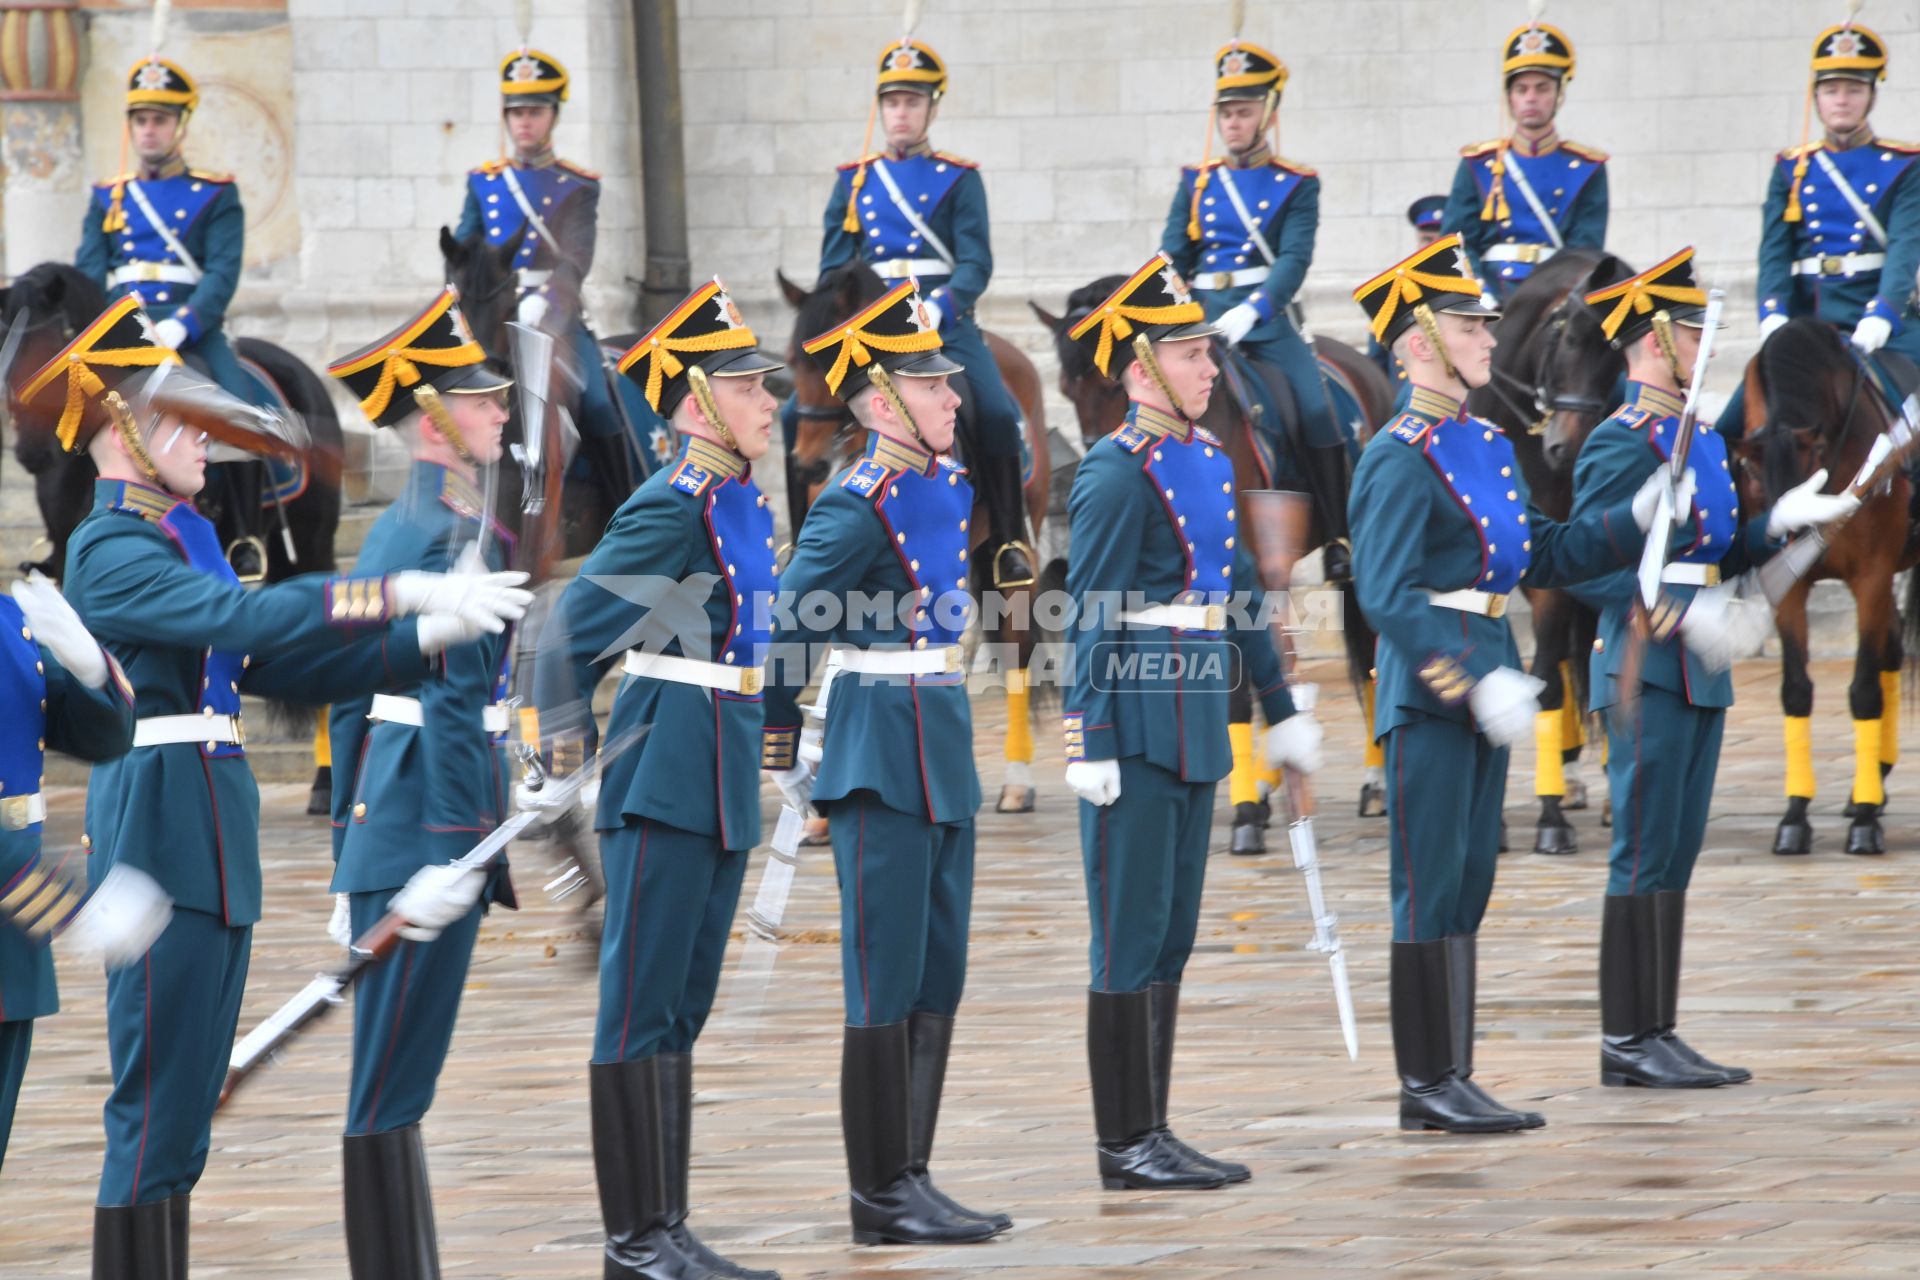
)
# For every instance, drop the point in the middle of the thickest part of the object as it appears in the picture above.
(1518, 253)
(394, 709)
(1839, 264)
(1487, 604)
(901, 268)
(17, 813)
(1229, 279)
(151, 272)
(1182, 617)
(1691, 575)
(940, 660)
(534, 277)
(158, 731)
(708, 675)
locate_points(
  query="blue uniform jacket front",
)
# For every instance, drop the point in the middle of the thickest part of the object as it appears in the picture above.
(202, 211)
(1614, 462)
(685, 569)
(1439, 504)
(426, 793)
(947, 195)
(146, 574)
(1883, 175)
(1154, 522)
(45, 708)
(892, 529)
(1570, 181)
(566, 197)
(1283, 199)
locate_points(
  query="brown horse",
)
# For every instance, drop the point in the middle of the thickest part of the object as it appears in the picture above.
(1101, 405)
(828, 437)
(1811, 403)
(1554, 378)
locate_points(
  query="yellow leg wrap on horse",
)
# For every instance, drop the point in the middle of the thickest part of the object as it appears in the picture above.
(1889, 717)
(1376, 755)
(1019, 722)
(1866, 763)
(1549, 774)
(1573, 725)
(1243, 785)
(323, 742)
(1800, 757)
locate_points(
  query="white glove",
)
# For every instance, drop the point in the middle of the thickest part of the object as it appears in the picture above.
(936, 314)
(340, 923)
(1805, 507)
(1770, 324)
(439, 631)
(1504, 702)
(545, 808)
(55, 625)
(125, 916)
(1237, 322)
(532, 310)
(1294, 743)
(488, 600)
(796, 784)
(1872, 333)
(812, 747)
(1095, 781)
(1645, 501)
(1721, 626)
(170, 333)
(437, 896)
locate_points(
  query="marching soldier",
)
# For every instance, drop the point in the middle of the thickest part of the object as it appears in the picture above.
(911, 212)
(1436, 498)
(61, 689)
(429, 782)
(682, 582)
(897, 780)
(1518, 200)
(1155, 525)
(1662, 759)
(146, 573)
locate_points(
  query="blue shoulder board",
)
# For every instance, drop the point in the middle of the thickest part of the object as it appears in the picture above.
(1409, 428)
(1130, 438)
(951, 465)
(691, 477)
(1206, 436)
(864, 477)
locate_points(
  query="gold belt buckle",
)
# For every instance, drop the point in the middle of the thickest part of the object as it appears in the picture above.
(1832, 264)
(1213, 617)
(951, 664)
(14, 813)
(1496, 606)
(1529, 253)
(1216, 279)
(149, 272)
(1713, 576)
(239, 730)
(750, 681)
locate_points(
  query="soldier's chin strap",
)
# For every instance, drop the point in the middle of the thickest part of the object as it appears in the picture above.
(1430, 325)
(703, 396)
(880, 378)
(1663, 334)
(1143, 352)
(122, 416)
(427, 396)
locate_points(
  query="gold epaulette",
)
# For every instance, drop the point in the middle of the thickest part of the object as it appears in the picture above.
(579, 171)
(1480, 148)
(1584, 151)
(1803, 149)
(869, 158)
(208, 175)
(1893, 145)
(1294, 166)
(491, 166)
(962, 161)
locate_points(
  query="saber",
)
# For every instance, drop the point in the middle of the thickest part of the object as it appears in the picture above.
(533, 375)
(326, 990)
(1653, 556)
(1279, 521)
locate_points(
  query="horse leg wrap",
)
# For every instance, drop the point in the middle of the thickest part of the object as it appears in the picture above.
(1549, 776)
(1799, 731)
(1867, 788)
(1243, 785)
(1573, 725)
(1889, 717)
(1375, 757)
(323, 741)
(1019, 745)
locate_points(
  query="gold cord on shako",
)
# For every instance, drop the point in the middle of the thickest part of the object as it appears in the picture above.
(702, 391)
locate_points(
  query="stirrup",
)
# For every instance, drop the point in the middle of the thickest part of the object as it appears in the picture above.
(259, 547)
(1003, 583)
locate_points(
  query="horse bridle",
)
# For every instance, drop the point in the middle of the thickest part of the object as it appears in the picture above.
(1546, 401)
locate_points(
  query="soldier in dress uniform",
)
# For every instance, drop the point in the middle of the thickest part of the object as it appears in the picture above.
(1661, 760)
(1436, 497)
(175, 237)
(1518, 200)
(1157, 553)
(58, 688)
(911, 212)
(428, 782)
(678, 591)
(896, 781)
(146, 573)
(553, 207)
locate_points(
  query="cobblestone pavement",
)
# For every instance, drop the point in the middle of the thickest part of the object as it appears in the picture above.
(1800, 969)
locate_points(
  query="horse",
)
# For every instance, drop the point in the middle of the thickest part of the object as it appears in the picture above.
(1553, 381)
(1811, 403)
(1100, 403)
(827, 431)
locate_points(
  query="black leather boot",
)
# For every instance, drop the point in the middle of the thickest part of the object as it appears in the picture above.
(320, 795)
(1432, 1096)
(889, 1204)
(630, 1166)
(1670, 924)
(1631, 1050)
(389, 1207)
(1133, 1150)
(133, 1242)
(1463, 980)
(998, 483)
(676, 1114)
(1163, 1007)
(929, 1042)
(179, 1220)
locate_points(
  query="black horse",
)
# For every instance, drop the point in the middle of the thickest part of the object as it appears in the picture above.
(1554, 377)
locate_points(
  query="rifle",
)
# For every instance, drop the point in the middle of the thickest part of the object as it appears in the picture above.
(1279, 521)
